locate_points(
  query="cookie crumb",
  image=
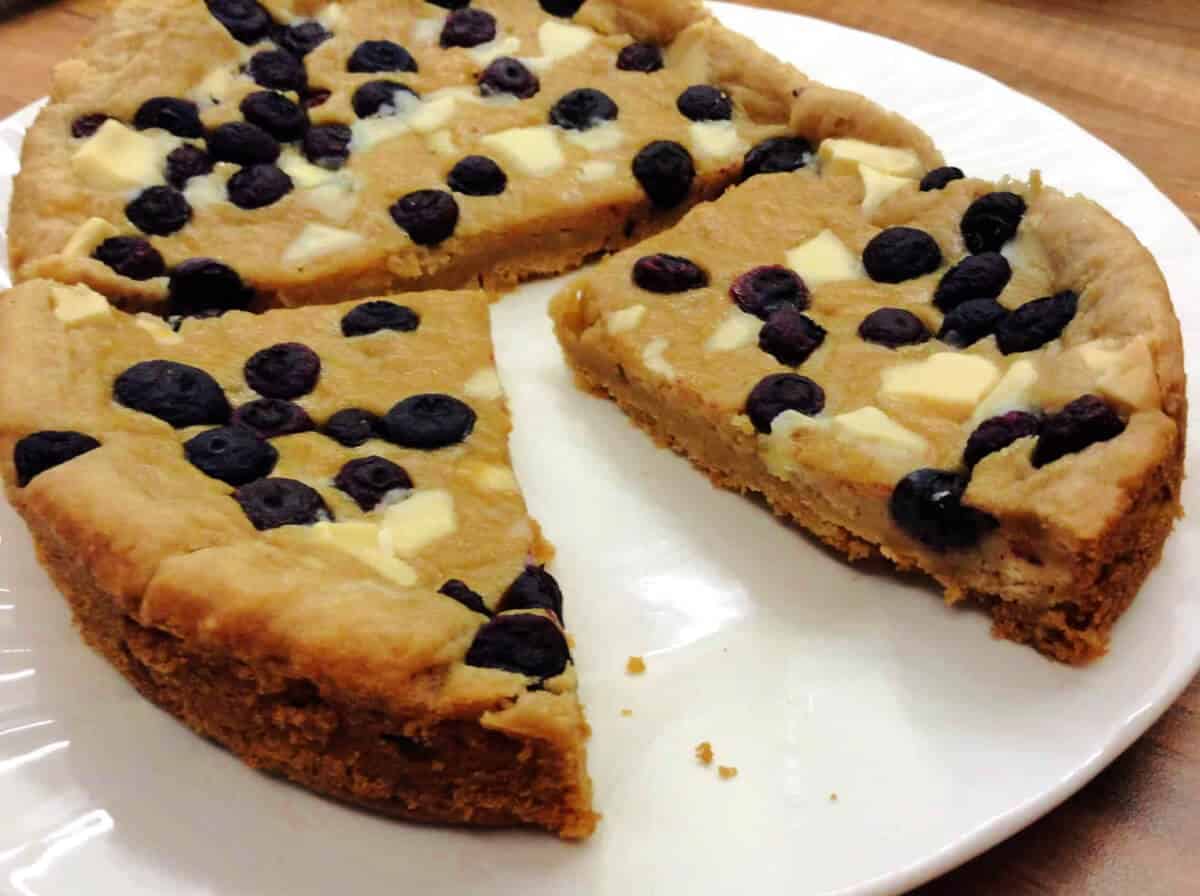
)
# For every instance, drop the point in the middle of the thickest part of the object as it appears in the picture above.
(635, 666)
(704, 752)
(627, 712)
(833, 797)
(727, 771)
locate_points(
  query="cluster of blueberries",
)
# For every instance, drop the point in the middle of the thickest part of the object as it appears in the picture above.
(927, 503)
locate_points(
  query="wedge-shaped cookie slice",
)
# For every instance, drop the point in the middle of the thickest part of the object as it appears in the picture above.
(325, 151)
(981, 381)
(300, 533)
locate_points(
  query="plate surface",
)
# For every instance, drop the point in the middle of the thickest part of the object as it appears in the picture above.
(810, 676)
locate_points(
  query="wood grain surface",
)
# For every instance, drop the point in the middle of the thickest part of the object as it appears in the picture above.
(1129, 72)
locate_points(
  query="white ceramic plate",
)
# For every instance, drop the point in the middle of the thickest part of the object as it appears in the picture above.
(812, 677)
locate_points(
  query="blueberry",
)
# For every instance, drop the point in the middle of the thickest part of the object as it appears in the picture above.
(666, 171)
(468, 28)
(175, 116)
(702, 102)
(285, 370)
(258, 186)
(927, 504)
(315, 96)
(369, 479)
(533, 589)
(352, 427)
(790, 337)
(562, 8)
(371, 317)
(997, 433)
(508, 75)
(302, 38)
(429, 422)
(461, 592)
(328, 145)
(233, 454)
(278, 70)
(1035, 323)
(971, 321)
(276, 114)
(381, 98)
(477, 176)
(427, 216)
(86, 125)
(243, 144)
(184, 163)
(764, 290)
(200, 287)
(270, 418)
(939, 177)
(450, 4)
(160, 211)
(176, 393)
(901, 253)
(132, 257)
(1081, 424)
(244, 19)
(583, 109)
(991, 221)
(893, 327)
(781, 392)
(41, 451)
(272, 503)
(668, 273)
(523, 643)
(380, 56)
(981, 276)
(776, 155)
(640, 57)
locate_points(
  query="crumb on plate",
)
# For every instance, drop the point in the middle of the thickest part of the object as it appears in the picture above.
(727, 771)
(704, 752)
(635, 666)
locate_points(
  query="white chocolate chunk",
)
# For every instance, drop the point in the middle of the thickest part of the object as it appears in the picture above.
(843, 155)
(78, 305)
(871, 428)
(367, 542)
(214, 87)
(441, 143)
(736, 330)
(419, 520)
(824, 259)
(158, 328)
(653, 358)
(948, 382)
(1123, 374)
(317, 241)
(367, 133)
(778, 448)
(716, 139)
(332, 16)
(558, 41)
(484, 383)
(625, 320)
(118, 158)
(427, 31)
(1014, 392)
(483, 54)
(533, 150)
(335, 200)
(304, 174)
(433, 114)
(878, 187)
(209, 189)
(596, 170)
(600, 138)
(90, 234)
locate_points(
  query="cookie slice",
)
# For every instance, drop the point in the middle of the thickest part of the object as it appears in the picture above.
(980, 381)
(323, 151)
(300, 533)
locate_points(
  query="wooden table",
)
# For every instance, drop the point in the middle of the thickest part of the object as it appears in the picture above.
(1129, 72)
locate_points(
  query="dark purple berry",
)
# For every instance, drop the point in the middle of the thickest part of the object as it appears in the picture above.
(461, 592)
(427, 216)
(450, 4)
(184, 163)
(1084, 422)
(477, 176)
(176, 393)
(380, 56)
(776, 155)
(243, 144)
(160, 211)
(352, 427)
(702, 102)
(939, 177)
(468, 28)
(258, 186)
(271, 418)
(272, 503)
(764, 290)
(276, 114)
(328, 145)
(640, 57)
(132, 257)
(666, 171)
(508, 75)
(244, 19)
(372, 317)
(42, 451)
(381, 98)
(524, 643)
(368, 480)
(893, 327)
(583, 109)
(200, 287)
(981, 276)
(781, 392)
(533, 589)
(1035, 323)
(175, 116)
(233, 454)
(668, 273)
(315, 96)
(901, 253)
(86, 125)
(278, 70)
(927, 504)
(991, 221)
(564, 9)
(971, 321)
(285, 370)
(997, 433)
(790, 337)
(302, 38)
(429, 422)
